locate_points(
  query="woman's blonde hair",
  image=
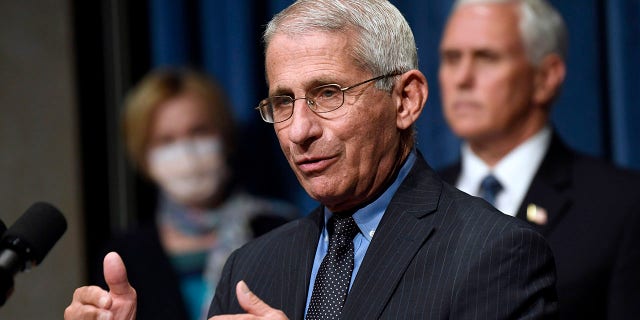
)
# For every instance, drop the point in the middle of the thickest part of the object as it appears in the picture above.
(164, 84)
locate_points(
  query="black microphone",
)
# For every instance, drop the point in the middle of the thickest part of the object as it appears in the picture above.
(27, 242)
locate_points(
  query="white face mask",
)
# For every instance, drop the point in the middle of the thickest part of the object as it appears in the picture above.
(190, 171)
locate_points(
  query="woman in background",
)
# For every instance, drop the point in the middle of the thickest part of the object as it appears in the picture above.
(179, 133)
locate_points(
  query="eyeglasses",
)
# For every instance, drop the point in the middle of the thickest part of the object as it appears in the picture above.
(324, 98)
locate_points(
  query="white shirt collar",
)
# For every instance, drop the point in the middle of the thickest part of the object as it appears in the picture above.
(515, 171)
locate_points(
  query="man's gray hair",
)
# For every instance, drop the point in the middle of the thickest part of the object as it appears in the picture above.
(383, 42)
(542, 28)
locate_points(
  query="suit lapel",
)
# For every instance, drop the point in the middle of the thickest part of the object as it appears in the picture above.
(399, 236)
(296, 281)
(546, 191)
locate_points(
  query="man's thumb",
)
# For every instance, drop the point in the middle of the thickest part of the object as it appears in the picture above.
(115, 274)
(250, 302)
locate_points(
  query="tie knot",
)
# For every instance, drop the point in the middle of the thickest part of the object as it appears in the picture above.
(489, 188)
(491, 184)
(343, 226)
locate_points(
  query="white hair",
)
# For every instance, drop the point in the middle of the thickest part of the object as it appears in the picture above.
(383, 41)
(542, 28)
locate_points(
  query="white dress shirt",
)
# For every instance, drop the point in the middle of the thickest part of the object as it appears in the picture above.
(515, 171)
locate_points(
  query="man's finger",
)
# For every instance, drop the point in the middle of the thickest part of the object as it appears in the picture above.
(115, 274)
(78, 311)
(92, 295)
(254, 305)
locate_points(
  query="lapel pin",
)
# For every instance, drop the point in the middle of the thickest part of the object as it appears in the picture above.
(536, 214)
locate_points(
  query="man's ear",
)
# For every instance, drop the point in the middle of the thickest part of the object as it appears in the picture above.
(549, 78)
(411, 93)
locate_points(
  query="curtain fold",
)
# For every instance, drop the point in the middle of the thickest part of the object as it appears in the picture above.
(623, 44)
(168, 30)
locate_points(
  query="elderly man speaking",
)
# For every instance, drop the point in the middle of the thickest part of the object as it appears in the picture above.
(390, 239)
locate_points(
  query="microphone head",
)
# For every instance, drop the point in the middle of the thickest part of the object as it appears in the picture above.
(36, 231)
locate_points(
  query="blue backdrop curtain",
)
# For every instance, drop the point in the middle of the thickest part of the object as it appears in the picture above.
(596, 112)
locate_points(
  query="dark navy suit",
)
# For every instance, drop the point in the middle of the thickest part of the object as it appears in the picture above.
(437, 253)
(593, 229)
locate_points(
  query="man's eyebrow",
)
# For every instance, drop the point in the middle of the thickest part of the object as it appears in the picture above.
(286, 91)
(449, 51)
(486, 52)
(321, 81)
(280, 91)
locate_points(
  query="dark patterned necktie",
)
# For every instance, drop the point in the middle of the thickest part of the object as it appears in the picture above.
(489, 188)
(332, 282)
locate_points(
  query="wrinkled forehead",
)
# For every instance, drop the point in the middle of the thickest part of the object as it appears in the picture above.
(485, 23)
(294, 56)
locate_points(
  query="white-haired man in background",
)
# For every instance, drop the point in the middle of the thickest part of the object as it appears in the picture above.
(502, 65)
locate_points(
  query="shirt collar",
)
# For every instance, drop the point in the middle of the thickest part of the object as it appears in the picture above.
(367, 218)
(473, 171)
(522, 162)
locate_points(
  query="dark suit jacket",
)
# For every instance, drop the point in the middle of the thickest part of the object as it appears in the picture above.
(593, 229)
(437, 254)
